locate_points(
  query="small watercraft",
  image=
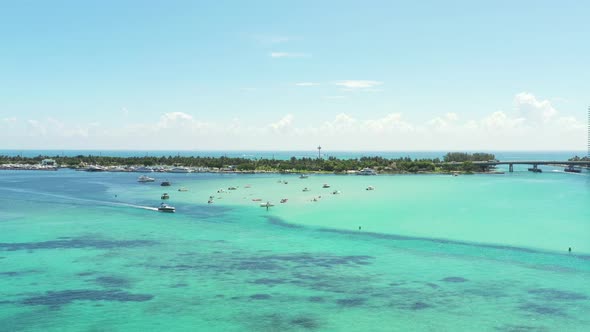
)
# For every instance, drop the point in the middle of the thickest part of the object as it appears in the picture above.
(303, 176)
(256, 199)
(144, 178)
(182, 189)
(305, 189)
(336, 192)
(284, 200)
(326, 185)
(165, 196)
(572, 169)
(166, 208)
(166, 184)
(266, 205)
(370, 188)
(232, 188)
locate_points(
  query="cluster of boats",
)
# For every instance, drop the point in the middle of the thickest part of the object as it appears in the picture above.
(140, 169)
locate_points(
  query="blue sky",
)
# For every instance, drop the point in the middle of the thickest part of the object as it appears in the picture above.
(287, 75)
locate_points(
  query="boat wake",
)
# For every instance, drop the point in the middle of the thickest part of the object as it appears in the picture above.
(95, 201)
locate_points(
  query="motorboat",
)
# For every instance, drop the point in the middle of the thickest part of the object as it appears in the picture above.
(366, 171)
(232, 188)
(305, 189)
(370, 188)
(284, 200)
(165, 184)
(166, 208)
(256, 199)
(326, 185)
(116, 169)
(144, 178)
(535, 170)
(336, 192)
(143, 169)
(572, 169)
(182, 189)
(303, 176)
(266, 205)
(165, 196)
(179, 170)
(95, 168)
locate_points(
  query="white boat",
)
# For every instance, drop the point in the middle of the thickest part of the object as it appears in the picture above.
(370, 188)
(144, 178)
(336, 192)
(179, 170)
(326, 185)
(166, 208)
(266, 205)
(182, 189)
(303, 176)
(232, 188)
(165, 196)
(94, 168)
(305, 189)
(366, 171)
(116, 169)
(143, 169)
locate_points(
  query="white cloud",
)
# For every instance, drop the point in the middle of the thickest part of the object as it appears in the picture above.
(283, 125)
(543, 127)
(307, 84)
(358, 84)
(530, 108)
(288, 55)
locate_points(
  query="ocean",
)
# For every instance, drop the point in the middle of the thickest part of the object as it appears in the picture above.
(87, 252)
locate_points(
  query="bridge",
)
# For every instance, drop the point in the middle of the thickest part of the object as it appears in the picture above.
(534, 163)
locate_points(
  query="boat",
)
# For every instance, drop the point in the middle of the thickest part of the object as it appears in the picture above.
(143, 169)
(336, 192)
(326, 185)
(179, 170)
(165, 184)
(144, 178)
(165, 196)
(182, 189)
(370, 188)
(94, 168)
(535, 170)
(232, 188)
(266, 205)
(303, 176)
(305, 189)
(256, 199)
(166, 208)
(210, 201)
(572, 169)
(116, 169)
(366, 171)
(284, 200)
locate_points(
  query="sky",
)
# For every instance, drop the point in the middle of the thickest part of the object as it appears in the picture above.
(291, 75)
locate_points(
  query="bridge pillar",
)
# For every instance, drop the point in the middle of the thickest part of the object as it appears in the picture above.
(511, 168)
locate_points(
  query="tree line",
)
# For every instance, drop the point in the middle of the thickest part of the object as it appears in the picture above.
(304, 164)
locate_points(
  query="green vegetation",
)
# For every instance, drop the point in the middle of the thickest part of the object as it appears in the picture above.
(453, 162)
(576, 158)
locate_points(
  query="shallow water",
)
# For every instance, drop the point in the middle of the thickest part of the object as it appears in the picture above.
(82, 251)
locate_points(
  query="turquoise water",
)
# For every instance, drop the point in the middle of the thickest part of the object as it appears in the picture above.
(86, 252)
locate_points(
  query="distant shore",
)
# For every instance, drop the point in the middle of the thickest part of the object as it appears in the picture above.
(451, 163)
